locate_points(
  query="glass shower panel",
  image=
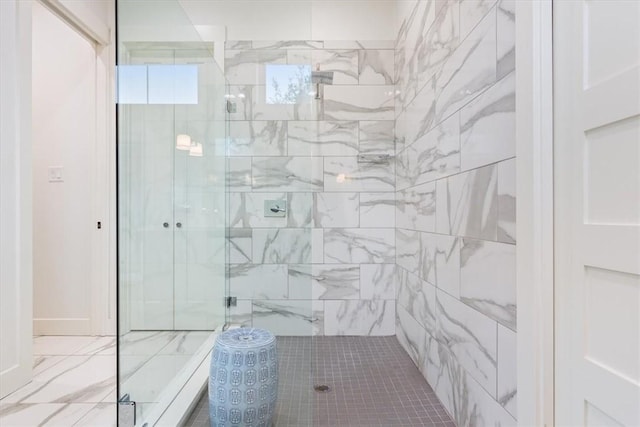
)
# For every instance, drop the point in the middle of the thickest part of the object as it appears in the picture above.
(171, 203)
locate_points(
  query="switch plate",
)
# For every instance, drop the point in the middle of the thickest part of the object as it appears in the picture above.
(55, 174)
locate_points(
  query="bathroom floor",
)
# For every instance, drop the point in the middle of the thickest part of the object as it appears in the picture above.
(372, 382)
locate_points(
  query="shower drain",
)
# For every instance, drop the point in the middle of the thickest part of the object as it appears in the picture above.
(321, 388)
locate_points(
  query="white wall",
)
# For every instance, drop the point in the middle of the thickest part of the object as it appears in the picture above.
(15, 195)
(297, 20)
(64, 105)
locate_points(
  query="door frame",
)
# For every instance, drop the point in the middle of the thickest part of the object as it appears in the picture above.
(535, 256)
(103, 288)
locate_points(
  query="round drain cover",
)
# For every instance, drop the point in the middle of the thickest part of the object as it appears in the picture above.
(321, 388)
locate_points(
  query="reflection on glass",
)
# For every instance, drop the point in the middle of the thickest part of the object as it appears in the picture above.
(287, 84)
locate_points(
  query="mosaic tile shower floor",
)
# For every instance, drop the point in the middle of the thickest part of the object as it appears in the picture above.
(372, 381)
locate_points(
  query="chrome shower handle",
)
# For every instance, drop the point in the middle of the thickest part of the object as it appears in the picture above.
(276, 209)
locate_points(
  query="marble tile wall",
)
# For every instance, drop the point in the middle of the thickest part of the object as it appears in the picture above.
(455, 203)
(328, 267)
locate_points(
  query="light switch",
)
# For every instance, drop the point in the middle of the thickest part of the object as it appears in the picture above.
(55, 174)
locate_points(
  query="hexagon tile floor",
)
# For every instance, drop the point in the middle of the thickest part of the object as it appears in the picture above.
(372, 383)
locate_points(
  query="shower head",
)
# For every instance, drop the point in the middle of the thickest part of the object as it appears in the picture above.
(322, 77)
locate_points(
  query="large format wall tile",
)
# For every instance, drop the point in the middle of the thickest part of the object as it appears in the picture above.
(469, 70)
(239, 176)
(359, 245)
(376, 137)
(377, 210)
(418, 298)
(416, 207)
(467, 205)
(282, 246)
(288, 317)
(375, 67)
(488, 279)
(257, 138)
(246, 210)
(411, 335)
(326, 281)
(359, 317)
(507, 201)
(433, 156)
(248, 281)
(507, 369)
(488, 126)
(506, 41)
(471, 337)
(320, 138)
(471, 12)
(408, 250)
(349, 174)
(377, 281)
(248, 66)
(287, 174)
(358, 103)
(336, 210)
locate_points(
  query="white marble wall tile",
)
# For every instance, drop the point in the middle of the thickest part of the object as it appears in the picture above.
(408, 250)
(377, 281)
(377, 210)
(376, 67)
(359, 245)
(419, 16)
(264, 108)
(336, 210)
(471, 12)
(411, 335)
(244, 67)
(470, 69)
(447, 264)
(240, 245)
(418, 298)
(343, 64)
(471, 337)
(359, 317)
(419, 116)
(299, 210)
(324, 281)
(237, 44)
(348, 174)
(507, 369)
(488, 126)
(282, 246)
(488, 279)
(289, 317)
(288, 44)
(359, 44)
(287, 174)
(239, 174)
(438, 44)
(317, 246)
(428, 251)
(506, 40)
(262, 281)
(241, 314)
(470, 202)
(507, 201)
(362, 102)
(433, 156)
(257, 138)
(416, 207)
(376, 137)
(321, 138)
(242, 98)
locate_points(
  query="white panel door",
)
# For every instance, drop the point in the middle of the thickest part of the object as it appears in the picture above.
(597, 212)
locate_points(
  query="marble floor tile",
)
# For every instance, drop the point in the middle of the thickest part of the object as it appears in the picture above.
(42, 363)
(60, 345)
(103, 346)
(44, 414)
(101, 415)
(77, 379)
